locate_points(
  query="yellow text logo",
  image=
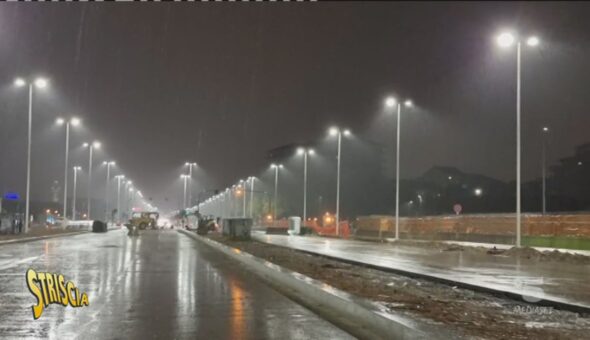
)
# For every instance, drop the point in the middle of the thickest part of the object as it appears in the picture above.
(51, 288)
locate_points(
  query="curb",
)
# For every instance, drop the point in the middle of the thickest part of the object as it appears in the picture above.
(371, 319)
(38, 238)
(560, 305)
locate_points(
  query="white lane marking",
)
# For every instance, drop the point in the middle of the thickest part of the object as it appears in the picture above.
(11, 264)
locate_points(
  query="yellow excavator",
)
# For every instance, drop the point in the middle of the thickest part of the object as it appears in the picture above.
(141, 220)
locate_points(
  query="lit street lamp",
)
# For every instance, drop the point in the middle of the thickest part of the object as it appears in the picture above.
(90, 146)
(305, 152)
(185, 178)
(276, 167)
(506, 40)
(76, 169)
(544, 167)
(242, 188)
(74, 122)
(106, 190)
(252, 179)
(190, 183)
(334, 131)
(39, 83)
(392, 102)
(119, 178)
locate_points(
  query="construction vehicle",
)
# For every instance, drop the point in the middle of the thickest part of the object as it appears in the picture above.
(141, 220)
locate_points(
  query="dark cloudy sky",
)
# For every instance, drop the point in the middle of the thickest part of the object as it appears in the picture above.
(220, 84)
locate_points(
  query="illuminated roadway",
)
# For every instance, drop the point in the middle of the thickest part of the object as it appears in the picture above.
(161, 285)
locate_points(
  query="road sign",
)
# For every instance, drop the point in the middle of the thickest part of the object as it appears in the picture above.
(11, 196)
(457, 208)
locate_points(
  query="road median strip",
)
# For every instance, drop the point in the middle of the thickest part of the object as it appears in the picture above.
(38, 238)
(339, 307)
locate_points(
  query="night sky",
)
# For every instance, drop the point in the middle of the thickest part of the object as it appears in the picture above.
(221, 83)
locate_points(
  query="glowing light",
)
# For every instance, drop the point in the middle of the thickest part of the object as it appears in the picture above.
(333, 131)
(19, 82)
(390, 102)
(41, 82)
(532, 41)
(75, 121)
(408, 103)
(478, 192)
(505, 39)
(346, 132)
(300, 151)
(60, 121)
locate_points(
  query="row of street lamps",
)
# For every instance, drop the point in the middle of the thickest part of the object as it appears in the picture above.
(504, 40)
(42, 83)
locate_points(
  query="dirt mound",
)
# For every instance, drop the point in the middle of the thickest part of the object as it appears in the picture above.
(548, 255)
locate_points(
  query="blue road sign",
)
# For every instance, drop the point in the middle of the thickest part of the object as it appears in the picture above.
(11, 196)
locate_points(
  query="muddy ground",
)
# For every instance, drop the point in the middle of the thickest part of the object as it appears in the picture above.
(523, 252)
(477, 315)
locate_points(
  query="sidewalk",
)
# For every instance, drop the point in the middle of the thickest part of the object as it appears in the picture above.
(561, 284)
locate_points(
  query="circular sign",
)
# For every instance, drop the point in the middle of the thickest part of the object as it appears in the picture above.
(457, 208)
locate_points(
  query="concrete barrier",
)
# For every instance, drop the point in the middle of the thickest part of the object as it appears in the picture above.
(495, 228)
(360, 317)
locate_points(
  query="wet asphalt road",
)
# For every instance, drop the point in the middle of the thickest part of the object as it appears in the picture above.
(161, 285)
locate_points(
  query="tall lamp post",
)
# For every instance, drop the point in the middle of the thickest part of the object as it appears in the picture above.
(544, 168)
(74, 122)
(252, 179)
(334, 131)
(506, 40)
(91, 147)
(38, 83)
(242, 188)
(106, 188)
(76, 169)
(119, 179)
(305, 152)
(190, 182)
(391, 102)
(276, 168)
(185, 179)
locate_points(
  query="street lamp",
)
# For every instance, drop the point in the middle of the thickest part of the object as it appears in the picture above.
(119, 178)
(185, 178)
(544, 167)
(38, 83)
(243, 186)
(276, 167)
(76, 169)
(190, 183)
(334, 131)
(252, 179)
(74, 122)
(506, 40)
(90, 146)
(391, 102)
(106, 190)
(305, 152)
